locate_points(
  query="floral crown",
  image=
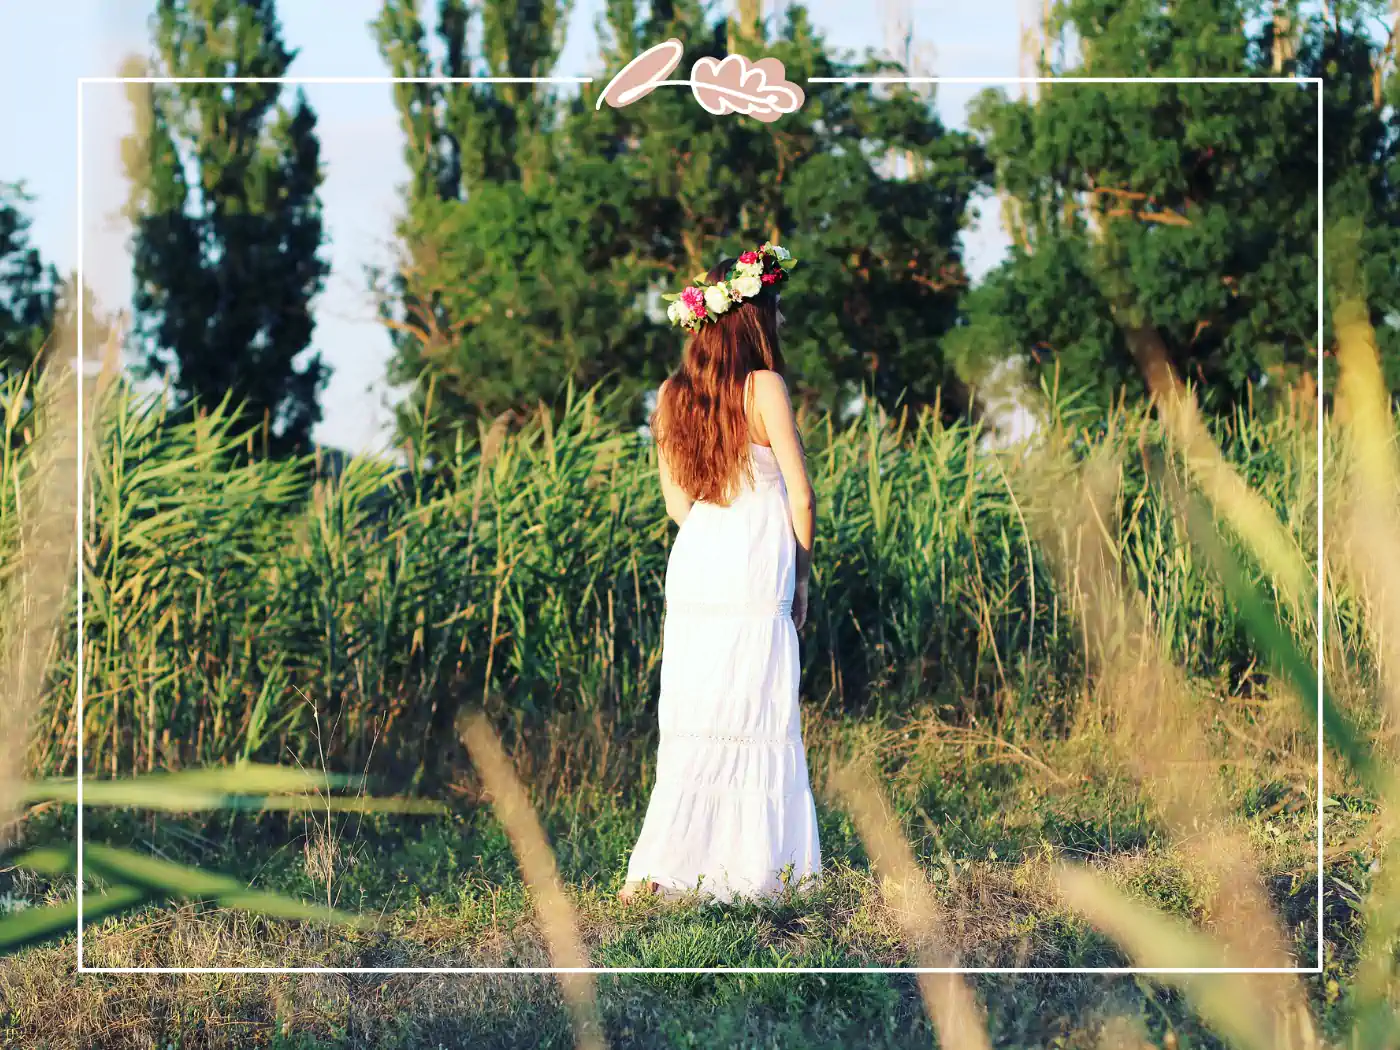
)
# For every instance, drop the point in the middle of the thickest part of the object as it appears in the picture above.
(754, 271)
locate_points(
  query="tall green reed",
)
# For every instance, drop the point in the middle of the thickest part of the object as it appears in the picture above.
(42, 465)
(239, 608)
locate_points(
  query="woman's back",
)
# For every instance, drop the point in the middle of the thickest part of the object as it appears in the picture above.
(740, 553)
(732, 807)
(732, 804)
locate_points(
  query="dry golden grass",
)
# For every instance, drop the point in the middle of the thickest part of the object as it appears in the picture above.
(1158, 731)
(951, 1005)
(555, 912)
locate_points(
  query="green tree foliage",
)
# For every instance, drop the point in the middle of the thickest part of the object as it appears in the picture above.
(540, 231)
(1361, 154)
(1192, 208)
(28, 287)
(881, 268)
(488, 305)
(228, 220)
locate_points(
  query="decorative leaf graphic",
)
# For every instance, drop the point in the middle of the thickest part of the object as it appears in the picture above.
(732, 85)
(642, 75)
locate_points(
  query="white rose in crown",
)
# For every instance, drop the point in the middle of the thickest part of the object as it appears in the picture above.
(680, 313)
(747, 285)
(717, 298)
(753, 269)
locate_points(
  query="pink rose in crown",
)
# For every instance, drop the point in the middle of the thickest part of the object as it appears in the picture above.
(695, 299)
(771, 278)
(749, 257)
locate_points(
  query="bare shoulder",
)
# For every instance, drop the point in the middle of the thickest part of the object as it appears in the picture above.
(769, 388)
(770, 400)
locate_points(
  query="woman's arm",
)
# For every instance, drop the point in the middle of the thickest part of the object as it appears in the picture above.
(775, 412)
(677, 502)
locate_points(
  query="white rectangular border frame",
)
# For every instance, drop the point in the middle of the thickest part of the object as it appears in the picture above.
(1316, 83)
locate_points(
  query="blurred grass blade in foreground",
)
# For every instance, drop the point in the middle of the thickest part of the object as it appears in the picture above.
(1157, 726)
(1370, 552)
(951, 1004)
(44, 524)
(134, 879)
(32, 926)
(244, 786)
(1276, 644)
(555, 912)
(1235, 1005)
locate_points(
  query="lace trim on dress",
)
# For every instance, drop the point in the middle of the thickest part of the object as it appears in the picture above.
(765, 741)
(756, 610)
(671, 787)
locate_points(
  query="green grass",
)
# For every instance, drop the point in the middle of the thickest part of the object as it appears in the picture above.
(500, 1012)
(451, 895)
(244, 609)
(453, 903)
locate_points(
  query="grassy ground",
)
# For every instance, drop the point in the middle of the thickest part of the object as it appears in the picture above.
(987, 817)
(990, 646)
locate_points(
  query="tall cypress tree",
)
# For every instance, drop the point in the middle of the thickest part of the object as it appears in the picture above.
(28, 287)
(227, 216)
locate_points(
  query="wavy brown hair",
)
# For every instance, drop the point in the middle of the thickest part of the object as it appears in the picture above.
(700, 423)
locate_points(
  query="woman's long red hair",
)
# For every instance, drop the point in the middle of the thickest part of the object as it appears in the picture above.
(701, 423)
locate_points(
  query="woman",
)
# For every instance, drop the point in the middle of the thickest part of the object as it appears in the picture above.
(731, 813)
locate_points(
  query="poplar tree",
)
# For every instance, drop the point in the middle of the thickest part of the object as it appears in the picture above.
(227, 214)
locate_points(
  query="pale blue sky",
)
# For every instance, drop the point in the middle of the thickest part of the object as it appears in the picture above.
(45, 47)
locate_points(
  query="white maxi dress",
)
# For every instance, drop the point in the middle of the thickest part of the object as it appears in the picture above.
(732, 812)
